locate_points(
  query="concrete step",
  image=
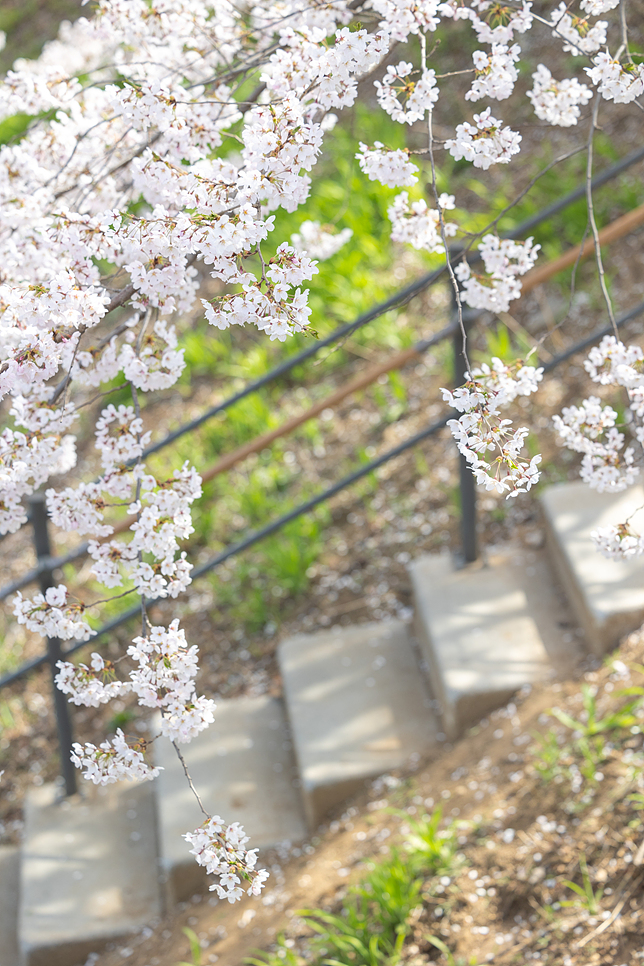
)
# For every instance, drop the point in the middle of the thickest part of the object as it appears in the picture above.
(607, 595)
(488, 629)
(9, 894)
(244, 770)
(89, 871)
(358, 707)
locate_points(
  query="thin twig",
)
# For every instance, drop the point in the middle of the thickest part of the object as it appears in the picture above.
(190, 782)
(107, 392)
(591, 218)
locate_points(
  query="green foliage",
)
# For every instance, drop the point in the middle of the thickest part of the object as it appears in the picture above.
(376, 917)
(445, 950)
(195, 947)
(548, 755)
(120, 720)
(621, 718)
(588, 898)
(373, 925)
(432, 850)
(12, 128)
(283, 955)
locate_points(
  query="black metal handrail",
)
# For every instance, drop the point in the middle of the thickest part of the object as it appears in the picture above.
(44, 571)
(310, 504)
(397, 300)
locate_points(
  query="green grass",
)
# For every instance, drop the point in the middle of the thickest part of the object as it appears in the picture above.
(376, 917)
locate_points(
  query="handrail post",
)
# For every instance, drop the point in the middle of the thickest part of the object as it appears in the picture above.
(54, 651)
(467, 483)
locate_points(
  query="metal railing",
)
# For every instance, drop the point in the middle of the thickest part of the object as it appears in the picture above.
(47, 563)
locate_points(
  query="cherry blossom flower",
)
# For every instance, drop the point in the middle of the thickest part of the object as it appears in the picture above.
(615, 81)
(495, 72)
(220, 848)
(557, 102)
(504, 260)
(390, 167)
(319, 241)
(419, 225)
(486, 143)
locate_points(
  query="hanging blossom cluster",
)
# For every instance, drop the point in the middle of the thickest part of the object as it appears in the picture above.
(484, 143)
(419, 225)
(114, 761)
(121, 195)
(488, 442)
(607, 464)
(611, 459)
(557, 102)
(504, 261)
(391, 168)
(320, 241)
(221, 850)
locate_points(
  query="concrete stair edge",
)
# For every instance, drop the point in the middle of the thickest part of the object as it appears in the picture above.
(357, 708)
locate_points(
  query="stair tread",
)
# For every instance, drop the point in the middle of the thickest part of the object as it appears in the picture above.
(89, 870)
(484, 630)
(9, 895)
(607, 595)
(358, 707)
(244, 770)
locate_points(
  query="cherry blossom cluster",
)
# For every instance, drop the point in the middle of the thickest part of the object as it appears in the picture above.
(496, 73)
(609, 460)
(557, 102)
(165, 679)
(419, 225)
(485, 142)
(390, 167)
(590, 429)
(580, 36)
(273, 303)
(89, 686)
(418, 96)
(124, 194)
(504, 260)
(320, 241)
(615, 81)
(488, 442)
(52, 614)
(617, 542)
(114, 761)
(221, 850)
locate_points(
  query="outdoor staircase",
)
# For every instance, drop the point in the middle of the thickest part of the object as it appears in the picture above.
(357, 702)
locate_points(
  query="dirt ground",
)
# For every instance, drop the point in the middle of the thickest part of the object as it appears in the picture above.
(520, 838)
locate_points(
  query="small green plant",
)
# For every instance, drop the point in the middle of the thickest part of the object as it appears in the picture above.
(621, 718)
(195, 947)
(432, 850)
(549, 755)
(373, 925)
(589, 899)
(445, 950)
(282, 955)
(637, 800)
(593, 752)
